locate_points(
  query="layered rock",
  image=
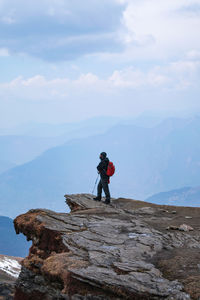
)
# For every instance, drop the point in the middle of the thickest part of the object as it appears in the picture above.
(120, 251)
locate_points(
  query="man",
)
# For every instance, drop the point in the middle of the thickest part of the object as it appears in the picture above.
(104, 178)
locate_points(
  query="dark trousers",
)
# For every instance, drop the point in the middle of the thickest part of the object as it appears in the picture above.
(103, 184)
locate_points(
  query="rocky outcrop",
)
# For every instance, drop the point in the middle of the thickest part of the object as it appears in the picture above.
(6, 290)
(118, 251)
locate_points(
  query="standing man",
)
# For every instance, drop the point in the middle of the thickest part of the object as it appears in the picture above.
(104, 178)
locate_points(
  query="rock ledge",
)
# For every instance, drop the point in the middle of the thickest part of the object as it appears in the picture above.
(120, 251)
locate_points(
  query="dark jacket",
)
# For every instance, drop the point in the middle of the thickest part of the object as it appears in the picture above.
(102, 168)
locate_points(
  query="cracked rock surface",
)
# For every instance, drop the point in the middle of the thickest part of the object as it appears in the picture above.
(117, 251)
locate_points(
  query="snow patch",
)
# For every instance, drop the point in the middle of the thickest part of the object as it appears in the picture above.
(10, 266)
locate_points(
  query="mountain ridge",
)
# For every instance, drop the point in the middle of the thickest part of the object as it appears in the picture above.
(147, 161)
(187, 196)
(10, 244)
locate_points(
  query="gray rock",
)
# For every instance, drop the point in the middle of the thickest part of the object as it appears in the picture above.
(104, 250)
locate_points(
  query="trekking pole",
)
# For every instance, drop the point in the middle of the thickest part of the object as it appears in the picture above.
(95, 184)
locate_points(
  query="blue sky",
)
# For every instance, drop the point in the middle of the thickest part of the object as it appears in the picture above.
(65, 61)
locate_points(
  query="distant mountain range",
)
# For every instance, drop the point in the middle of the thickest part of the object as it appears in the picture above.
(6, 165)
(10, 243)
(45, 130)
(148, 161)
(21, 149)
(33, 139)
(186, 196)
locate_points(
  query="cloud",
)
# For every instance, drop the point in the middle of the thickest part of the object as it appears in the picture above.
(60, 30)
(38, 88)
(114, 30)
(157, 30)
(177, 75)
(193, 54)
(191, 9)
(125, 92)
(4, 52)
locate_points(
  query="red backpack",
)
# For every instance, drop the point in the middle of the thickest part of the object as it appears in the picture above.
(110, 169)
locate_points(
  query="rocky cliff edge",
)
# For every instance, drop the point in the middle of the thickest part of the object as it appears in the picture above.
(126, 250)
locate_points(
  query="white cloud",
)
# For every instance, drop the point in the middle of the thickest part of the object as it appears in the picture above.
(60, 30)
(136, 79)
(38, 88)
(8, 20)
(126, 92)
(7, 16)
(131, 29)
(4, 52)
(154, 29)
(173, 76)
(185, 67)
(193, 54)
(127, 78)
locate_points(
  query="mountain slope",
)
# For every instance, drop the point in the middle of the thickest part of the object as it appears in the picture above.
(148, 161)
(6, 165)
(10, 244)
(186, 196)
(19, 149)
(92, 125)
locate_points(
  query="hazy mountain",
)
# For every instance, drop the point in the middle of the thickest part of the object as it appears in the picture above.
(85, 128)
(19, 149)
(186, 196)
(10, 243)
(6, 165)
(148, 161)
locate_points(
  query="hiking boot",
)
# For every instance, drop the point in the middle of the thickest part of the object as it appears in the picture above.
(106, 202)
(97, 199)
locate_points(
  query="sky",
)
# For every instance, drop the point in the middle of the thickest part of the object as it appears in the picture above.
(64, 61)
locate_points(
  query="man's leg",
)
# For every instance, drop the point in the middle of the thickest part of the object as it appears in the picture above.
(99, 191)
(106, 190)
